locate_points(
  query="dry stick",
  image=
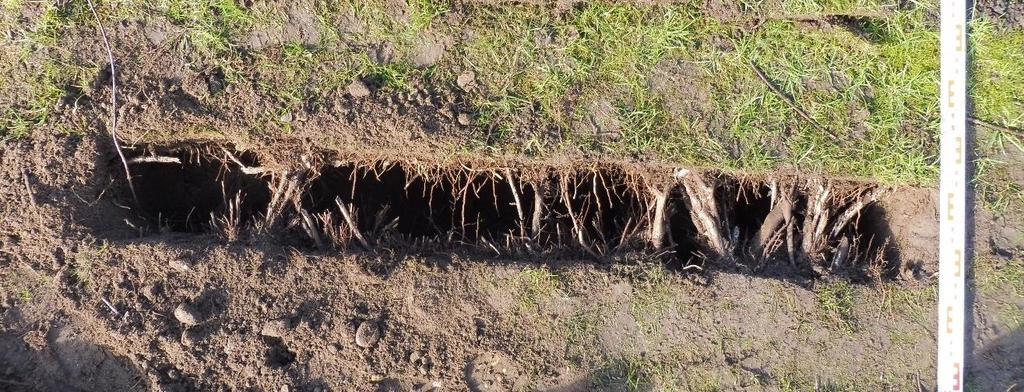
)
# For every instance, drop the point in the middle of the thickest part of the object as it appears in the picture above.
(245, 169)
(462, 213)
(113, 102)
(818, 212)
(771, 225)
(494, 189)
(282, 193)
(791, 242)
(310, 227)
(815, 221)
(789, 100)
(28, 188)
(154, 159)
(978, 121)
(351, 223)
(842, 253)
(109, 306)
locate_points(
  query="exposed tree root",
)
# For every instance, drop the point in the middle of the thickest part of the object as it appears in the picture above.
(703, 208)
(776, 226)
(659, 223)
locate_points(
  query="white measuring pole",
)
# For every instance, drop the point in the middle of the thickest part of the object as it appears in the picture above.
(952, 195)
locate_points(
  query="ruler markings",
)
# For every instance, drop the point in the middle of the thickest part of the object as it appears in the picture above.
(952, 184)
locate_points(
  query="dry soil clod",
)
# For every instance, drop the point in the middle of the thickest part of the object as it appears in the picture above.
(367, 334)
(358, 89)
(186, 314)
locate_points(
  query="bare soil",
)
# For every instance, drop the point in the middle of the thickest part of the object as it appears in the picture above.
(197, 311)
(1008, 12)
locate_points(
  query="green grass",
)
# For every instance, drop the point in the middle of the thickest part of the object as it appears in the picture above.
(538, 72)
(212, 25)
(653, 297)
(638, 373)
(610, 50)
(1000, 276)
(1002, 281)
(581, 335)
(835, 301)
(24, 296)
(81, 271)
(534, 287)
(998, 60)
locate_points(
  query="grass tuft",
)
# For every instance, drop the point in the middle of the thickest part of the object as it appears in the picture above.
(535, 286)
(835, 299)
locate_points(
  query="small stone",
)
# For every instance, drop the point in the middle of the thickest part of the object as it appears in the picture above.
(465, 119)
(287, 117)
(466, 80)
(367, 334)
(179, 265)
(358, 89)
(274, 328)
(186, 314)
(284, 388)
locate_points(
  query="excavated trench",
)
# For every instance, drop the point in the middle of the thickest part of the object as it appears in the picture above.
(691, 219)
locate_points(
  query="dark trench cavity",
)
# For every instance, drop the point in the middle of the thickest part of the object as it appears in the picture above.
(599, 204)
(183, 190)
(751, 204)
(389, 200)
(685, 240)
(600, 211)
(875, 241)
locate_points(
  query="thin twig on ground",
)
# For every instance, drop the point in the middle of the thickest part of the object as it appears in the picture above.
(113, 102)
(978, 121)
(110, 306)
(28, 188)
(154, 159)
(12, 382)
(789, 100)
